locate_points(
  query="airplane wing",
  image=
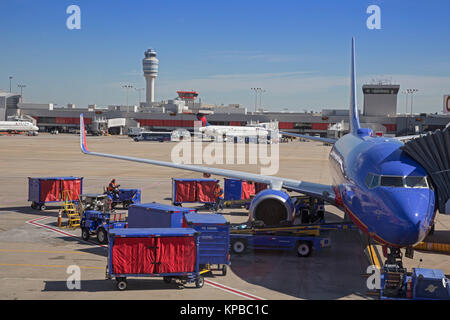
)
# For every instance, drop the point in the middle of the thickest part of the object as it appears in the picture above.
(304, 136)
(321, 191)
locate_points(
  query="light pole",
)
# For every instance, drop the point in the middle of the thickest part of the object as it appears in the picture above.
(139, 91)
(412, 92)
(10, 78)
(21, 86)
(256, 96)
(127, 86)
(405, 92)
(260, 97)
(260, 91)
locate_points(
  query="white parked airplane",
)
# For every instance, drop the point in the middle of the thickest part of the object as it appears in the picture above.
(233, 131)
(17, 126)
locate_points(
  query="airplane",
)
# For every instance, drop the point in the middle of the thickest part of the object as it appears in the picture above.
(259, 130)
(17, 126)
(385, 192)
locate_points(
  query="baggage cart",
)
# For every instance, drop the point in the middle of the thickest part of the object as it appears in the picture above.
(170, 253)
(156, 215)
(53, 189)
(214, 240)
(125, 197)
(301, 238)
(194, 191)
(238, 193)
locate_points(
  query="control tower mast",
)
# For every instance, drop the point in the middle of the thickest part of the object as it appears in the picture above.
(150, 66)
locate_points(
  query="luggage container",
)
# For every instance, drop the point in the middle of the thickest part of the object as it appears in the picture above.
(239, 193)
(171, 253)
(214, 239)
(53, 189)
(194, 191)
(236, 189)
(156, 215)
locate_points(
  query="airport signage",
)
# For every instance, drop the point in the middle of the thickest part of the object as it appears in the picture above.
(447, 104)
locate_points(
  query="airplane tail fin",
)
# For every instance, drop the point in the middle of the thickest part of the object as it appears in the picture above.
(83, 145)
(354, 117)
(202, 118)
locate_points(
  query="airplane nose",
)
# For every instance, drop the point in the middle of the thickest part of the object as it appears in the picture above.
(414, 212)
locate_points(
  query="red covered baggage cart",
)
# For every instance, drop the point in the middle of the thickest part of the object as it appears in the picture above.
(194, 191)
(171, 253)
(53, 189)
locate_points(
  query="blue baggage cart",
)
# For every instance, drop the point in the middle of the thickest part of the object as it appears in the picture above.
(171, 253)
(302, 244)
(53, 189)
(214, 239)
(126, 197)
(156, 215)
(99, 223)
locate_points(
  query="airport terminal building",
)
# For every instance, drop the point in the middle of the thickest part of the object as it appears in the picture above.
(379, 113)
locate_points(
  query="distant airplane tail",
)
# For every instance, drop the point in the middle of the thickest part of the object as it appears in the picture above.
(354, 117)
(202, 118)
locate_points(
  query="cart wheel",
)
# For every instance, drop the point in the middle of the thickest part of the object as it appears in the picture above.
(199, 282)
(239, 246)
(102, 236)
(121, 284)
(126, 205)
(304, 248)
(224, 270)
(167, 279)
(85, 234)
(42, 207)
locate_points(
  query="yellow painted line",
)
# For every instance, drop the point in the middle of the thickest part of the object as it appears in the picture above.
(41, 251)
(44, 266)
(374, 256)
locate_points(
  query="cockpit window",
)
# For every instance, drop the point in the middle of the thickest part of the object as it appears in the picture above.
(374, 180)
(416, 182)
(391, 181)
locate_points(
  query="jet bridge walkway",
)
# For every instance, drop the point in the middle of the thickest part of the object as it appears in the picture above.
(432, 151)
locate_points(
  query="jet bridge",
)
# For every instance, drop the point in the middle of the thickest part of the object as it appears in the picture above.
(432, 151)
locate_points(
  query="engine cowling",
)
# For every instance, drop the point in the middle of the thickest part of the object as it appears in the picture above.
(273, 207)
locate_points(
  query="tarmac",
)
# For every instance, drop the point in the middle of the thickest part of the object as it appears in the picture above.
(35, 254)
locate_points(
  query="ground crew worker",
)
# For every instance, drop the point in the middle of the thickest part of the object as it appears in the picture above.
(113, 188)
(219, 197)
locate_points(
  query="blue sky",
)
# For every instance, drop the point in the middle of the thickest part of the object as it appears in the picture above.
(298, 51)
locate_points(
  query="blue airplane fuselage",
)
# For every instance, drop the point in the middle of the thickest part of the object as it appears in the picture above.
(397, 216)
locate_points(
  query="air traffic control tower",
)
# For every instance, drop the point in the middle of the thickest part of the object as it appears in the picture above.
(150, 66)
(380, 99)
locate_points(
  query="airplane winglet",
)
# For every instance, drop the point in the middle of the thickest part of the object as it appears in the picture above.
(83, 144)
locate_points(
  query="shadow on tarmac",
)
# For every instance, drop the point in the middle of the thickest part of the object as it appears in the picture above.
(28, 210)
(331, 273)
(134, 284)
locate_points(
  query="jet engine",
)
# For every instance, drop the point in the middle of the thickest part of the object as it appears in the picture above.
(272, 207)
